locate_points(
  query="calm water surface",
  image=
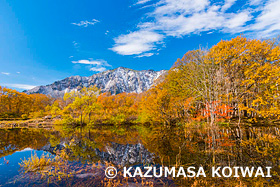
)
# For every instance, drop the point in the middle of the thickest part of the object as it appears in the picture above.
(85, 149)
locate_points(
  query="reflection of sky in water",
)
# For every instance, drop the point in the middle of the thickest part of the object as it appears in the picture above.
(11, 169)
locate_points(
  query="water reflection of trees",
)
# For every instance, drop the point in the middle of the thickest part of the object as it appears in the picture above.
(180, 146)
(12, 140)
(250, 146)
(191, 146)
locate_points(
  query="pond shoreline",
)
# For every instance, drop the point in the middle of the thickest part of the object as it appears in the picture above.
(48, 123)
(31, 123)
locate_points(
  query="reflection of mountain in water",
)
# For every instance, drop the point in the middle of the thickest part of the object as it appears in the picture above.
(118, 154)
(125, 154)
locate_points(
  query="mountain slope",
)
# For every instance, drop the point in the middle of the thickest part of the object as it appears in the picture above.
(115, 81)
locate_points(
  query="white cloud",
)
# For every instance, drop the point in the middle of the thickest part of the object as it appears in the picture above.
(179, 7)
(26, 149)
(136, 42)
(255, 2)
(140, 2)
(237, 21)
(5, 73)
(76, 44)
(96, 65)
(92, 62)
(179, 18)
(228, 4)
(145, 55)
(20, 86)
(178, 26)
(268, 22)
(18, 72)
(86, 23)
(100, 69)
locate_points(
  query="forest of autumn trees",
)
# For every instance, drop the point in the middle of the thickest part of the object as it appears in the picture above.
(235, 79)
(14, 104)
(232, 81)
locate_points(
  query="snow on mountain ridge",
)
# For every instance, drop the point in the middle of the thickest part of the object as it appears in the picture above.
(115, 81)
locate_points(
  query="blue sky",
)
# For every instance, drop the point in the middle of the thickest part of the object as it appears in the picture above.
(44, 41)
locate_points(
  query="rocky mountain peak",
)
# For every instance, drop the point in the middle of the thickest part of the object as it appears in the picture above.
(115, 81)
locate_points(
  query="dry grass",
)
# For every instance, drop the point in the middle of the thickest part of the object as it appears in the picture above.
(34, 163)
